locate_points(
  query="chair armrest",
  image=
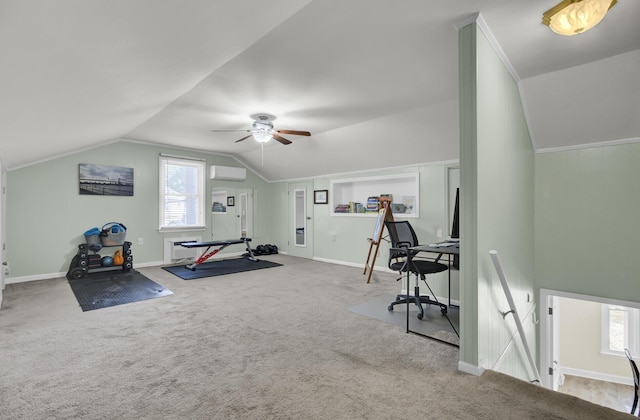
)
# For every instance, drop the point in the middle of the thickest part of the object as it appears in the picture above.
(401, 247)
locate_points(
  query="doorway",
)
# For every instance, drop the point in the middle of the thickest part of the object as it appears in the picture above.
(300, 237)
(245, 216)
(3, 218)
(582, 341)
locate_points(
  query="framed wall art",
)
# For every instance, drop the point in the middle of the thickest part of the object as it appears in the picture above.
(321, 197)
(105, 180)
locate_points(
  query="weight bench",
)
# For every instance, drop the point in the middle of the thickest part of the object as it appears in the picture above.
(221, 245)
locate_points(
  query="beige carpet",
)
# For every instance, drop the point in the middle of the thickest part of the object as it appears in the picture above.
(434, 324)
(267, 344)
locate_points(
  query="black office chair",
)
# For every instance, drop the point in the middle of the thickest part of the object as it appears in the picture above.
(636, 381)
(404, 237)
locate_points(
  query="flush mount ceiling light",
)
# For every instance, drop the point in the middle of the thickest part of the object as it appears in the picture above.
(571, 17)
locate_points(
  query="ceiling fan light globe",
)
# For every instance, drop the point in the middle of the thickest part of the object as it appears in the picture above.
(262, 136)
(262, 130)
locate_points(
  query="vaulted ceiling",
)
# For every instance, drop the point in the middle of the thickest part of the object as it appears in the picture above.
(368, 78)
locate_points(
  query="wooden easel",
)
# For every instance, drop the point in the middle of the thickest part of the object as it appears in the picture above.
(384, 214)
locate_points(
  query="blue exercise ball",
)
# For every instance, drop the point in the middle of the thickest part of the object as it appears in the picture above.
(107, 261)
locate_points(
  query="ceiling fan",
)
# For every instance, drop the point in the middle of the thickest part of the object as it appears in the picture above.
(262, 130)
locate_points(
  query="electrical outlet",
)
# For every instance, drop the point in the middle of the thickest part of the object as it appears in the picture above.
(333, 238)
(140, 241)
(439, 233)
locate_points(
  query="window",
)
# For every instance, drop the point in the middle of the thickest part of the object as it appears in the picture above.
(182, 199)
(620, 329)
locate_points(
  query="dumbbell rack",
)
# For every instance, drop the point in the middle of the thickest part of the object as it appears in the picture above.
(81, 265)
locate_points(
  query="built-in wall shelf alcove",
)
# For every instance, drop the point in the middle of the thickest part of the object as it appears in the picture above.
(353, 197)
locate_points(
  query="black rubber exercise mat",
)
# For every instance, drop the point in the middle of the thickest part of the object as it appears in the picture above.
(105, 289)
(219, 267)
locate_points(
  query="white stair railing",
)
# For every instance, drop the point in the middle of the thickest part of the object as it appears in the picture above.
(512, 310)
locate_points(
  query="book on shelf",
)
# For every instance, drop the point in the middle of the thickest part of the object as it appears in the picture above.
(372, 204)
(352, 207)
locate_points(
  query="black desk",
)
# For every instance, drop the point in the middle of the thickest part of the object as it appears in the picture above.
(441, 250)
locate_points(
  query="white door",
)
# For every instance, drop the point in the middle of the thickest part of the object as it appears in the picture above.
(3, 212)
(550, 340)
(555, 341)
(300, 235)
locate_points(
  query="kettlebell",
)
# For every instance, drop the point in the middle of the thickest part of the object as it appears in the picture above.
(118, 259)
(107, 261)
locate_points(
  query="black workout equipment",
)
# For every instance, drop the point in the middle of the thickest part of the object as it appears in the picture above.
(221, 245)
(84, 263)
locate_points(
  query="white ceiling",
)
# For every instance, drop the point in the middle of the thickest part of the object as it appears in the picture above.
(368, 78)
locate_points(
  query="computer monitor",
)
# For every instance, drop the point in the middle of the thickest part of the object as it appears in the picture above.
(455, 229)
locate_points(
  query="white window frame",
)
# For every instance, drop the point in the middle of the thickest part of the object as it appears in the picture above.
(199, 196)
(631, 324)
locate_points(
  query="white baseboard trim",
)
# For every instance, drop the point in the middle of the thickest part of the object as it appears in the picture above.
(383, 270)
(50, 276)
(470, 369)
(606, 377)
(350, 264)
(35, 277)
(149, 264)
(338, 262)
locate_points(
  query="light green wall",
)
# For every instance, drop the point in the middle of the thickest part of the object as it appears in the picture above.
(497, 208)
(47, 217)
(43, 204)
(351, 233)
(587, 206)
(279, 219)
(468, 196)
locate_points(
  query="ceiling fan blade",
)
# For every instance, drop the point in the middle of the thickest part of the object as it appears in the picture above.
(227, 131)
(244, 138)
(295, 132)
(281, 139)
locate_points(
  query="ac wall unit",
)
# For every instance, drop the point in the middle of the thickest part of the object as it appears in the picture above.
(228, 173)
(174, 251)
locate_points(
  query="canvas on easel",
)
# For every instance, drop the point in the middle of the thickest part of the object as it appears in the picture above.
(384, 214)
